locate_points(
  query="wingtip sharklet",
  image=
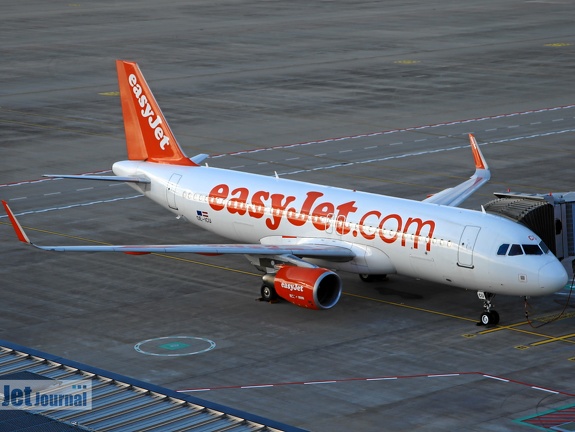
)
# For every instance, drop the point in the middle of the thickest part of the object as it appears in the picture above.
(456, 195)
(480, 162)
(16, 225)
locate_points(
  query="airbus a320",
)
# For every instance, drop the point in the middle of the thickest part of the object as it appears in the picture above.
(299, 235)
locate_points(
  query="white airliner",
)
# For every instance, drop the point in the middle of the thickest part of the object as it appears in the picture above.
(299, 233)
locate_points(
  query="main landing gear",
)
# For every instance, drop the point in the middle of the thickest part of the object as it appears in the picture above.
(268, 294)
(489, 317)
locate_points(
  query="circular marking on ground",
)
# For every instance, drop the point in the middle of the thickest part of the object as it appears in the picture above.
(174, 346)
(406, 62)
(112, 93)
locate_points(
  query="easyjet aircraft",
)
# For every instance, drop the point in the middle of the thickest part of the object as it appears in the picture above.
(298, 234)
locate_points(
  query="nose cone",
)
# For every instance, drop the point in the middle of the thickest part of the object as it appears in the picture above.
(552, 277)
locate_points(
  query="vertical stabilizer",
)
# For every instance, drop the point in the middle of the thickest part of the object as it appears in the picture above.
(148, 136)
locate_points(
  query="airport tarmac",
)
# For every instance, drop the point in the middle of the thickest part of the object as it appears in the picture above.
(374, 96)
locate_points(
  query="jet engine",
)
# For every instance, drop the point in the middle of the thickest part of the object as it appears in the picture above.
(313, 288)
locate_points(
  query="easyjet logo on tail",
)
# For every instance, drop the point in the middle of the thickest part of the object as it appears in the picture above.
(154, 119)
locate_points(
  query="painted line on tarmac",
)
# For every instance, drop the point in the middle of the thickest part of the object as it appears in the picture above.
(327, 140)
(402, 305)
(427, 152)
(392, 131)
(382, 378)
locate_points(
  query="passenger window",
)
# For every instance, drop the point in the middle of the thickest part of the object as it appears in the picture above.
(515, 250)
(503, 249)
(531, 249)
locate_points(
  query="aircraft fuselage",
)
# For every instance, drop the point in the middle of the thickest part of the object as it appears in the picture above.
(445, 244)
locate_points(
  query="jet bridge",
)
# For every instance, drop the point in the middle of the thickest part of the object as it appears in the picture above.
(550, 216)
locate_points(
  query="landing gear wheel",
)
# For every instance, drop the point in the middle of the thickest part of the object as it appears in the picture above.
(490, 318)
(268, 294)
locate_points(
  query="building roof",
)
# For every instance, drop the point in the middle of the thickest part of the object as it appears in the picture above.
(119, 403)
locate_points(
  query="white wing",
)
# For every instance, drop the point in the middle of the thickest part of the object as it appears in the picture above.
(456, 195)
(316, 251)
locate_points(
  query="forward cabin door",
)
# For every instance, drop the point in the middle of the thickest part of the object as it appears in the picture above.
(466, 245)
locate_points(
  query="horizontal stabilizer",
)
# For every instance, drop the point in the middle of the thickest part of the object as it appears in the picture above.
(198, 159)
(102, 178)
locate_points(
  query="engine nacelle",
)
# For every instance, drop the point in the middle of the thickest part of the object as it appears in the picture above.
(314, 288)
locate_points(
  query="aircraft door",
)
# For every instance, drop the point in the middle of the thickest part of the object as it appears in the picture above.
(171, 190)
(466, 245)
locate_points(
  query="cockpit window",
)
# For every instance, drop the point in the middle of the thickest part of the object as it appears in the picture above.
(527, 249)
(531, 249)
(515, 250)
(503, 249)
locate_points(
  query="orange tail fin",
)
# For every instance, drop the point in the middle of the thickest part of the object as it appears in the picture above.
(148, 136)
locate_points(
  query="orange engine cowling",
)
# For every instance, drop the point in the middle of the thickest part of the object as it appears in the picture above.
(314, 288)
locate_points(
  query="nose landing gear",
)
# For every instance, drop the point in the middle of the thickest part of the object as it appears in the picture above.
(489, 317)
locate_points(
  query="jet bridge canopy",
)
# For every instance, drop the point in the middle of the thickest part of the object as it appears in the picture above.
(550, 216)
